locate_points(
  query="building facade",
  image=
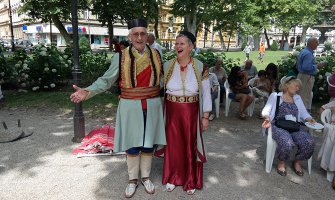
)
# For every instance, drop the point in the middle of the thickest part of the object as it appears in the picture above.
(4, 20)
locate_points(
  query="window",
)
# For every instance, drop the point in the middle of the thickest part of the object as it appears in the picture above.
(86, 14)
(163, 34)
(164, 18)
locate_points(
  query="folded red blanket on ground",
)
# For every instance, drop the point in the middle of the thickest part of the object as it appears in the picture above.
(99, 140)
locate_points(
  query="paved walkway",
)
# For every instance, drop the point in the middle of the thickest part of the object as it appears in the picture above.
(42, 166)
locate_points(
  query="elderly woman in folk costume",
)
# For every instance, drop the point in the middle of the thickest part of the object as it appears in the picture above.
(187, 107)
(139, 120)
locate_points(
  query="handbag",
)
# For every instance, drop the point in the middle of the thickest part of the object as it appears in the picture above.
(281, 122)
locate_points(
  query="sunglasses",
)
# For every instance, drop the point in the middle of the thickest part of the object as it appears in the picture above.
(290, 79)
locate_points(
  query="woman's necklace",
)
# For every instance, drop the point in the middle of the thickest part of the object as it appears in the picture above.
(288, 98)
(183, 67)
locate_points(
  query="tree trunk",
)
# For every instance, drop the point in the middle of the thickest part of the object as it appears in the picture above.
(267, 39)
(303, 36)
(223, 46)
(191, 23)
(230, 34)
(110, 27)
(67, 37)
(282, 42)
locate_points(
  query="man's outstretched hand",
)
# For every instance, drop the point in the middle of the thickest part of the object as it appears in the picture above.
(79, 95)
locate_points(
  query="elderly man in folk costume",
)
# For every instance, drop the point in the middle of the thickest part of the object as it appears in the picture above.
(139, 120)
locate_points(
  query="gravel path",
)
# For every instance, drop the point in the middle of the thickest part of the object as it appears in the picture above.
(42, 167)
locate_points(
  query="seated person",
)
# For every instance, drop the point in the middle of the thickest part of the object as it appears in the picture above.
(331, 86)
(272, 73)
(327, 148)
(238, 81)
(249, 68)
(262, 86)
(221, 75)
(290, 104)
(214, 93)
(331, 106)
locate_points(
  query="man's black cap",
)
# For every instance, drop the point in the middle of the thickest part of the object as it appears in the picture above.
(137, 23)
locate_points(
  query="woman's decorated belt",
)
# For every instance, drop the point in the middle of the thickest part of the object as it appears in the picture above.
(182, 99)
(140, 92)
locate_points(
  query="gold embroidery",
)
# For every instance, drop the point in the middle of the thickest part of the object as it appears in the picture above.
(182, 99)
(141, 63)
(197, 74)
(169, 71)
(205, 74)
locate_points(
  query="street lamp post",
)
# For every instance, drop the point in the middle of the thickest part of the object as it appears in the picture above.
(78, 118)
(11, 25)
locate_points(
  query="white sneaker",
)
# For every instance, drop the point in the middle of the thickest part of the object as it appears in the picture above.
(149, 186)
(170, 187)
(130, 190)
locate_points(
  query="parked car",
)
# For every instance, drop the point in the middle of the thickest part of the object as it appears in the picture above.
(6, 44)
(320, 50)
(24, 44)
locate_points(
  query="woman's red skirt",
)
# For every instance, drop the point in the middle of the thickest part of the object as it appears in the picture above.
(180, 154)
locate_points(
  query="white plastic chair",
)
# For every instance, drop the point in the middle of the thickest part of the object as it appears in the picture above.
(228, 101)
(271, 147)
(251, 83)
(217, 103)
(326, 117)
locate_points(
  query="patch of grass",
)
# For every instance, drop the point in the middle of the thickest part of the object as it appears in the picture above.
(270, 56)
(57, 100)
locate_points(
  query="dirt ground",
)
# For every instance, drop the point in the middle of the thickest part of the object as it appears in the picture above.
(42, 167)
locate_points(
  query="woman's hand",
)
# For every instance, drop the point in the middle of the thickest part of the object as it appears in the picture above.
(311, 120)
(266, 123)
(79, 95)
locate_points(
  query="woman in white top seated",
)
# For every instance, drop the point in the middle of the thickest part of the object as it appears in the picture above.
(290, 104)
(187, 106)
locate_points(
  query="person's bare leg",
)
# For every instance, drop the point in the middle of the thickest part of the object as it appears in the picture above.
(242, 98)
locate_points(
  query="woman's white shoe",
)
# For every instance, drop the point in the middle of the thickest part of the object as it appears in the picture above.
(190, 192)
(170, 187)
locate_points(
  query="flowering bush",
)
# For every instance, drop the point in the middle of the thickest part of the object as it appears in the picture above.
(208, 57)
(48, 68)
(15, 73)
(93, 65)
(5, 71)
(320, 86)
(287, 63)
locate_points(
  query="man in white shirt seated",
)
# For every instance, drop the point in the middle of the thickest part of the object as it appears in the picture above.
(250, 69)
(153, 44)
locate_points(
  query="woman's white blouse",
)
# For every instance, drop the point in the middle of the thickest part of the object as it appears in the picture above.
(269, 109)
(175, 86)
